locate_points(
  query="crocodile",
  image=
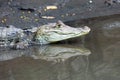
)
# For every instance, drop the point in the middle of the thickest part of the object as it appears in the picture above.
(45, 34)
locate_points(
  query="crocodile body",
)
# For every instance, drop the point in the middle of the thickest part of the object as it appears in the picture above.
(49, 33)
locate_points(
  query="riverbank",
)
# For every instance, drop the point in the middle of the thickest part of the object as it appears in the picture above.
(27, 14)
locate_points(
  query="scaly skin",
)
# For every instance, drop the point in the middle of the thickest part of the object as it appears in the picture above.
(54, 32)
(45, 34)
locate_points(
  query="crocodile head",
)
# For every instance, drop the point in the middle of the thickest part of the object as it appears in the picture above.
(54, 32)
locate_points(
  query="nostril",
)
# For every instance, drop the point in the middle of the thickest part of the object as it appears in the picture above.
(85, 27)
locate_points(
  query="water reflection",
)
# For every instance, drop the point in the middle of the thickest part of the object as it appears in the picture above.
(59, 53)
(37, 63)
(47, 52)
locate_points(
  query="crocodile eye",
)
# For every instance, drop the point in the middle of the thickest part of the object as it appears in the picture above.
(58, 25)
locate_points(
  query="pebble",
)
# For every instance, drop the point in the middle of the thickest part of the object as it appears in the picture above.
(52, 7)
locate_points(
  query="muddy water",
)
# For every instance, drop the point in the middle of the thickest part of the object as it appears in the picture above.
(94, 57)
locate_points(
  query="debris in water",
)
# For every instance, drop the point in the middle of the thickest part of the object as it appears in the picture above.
(62, 16)
(90, 1)
(4, 20)
(36, 20)
(48, 17)
(52, 7)
(27, 9)
(73, 14)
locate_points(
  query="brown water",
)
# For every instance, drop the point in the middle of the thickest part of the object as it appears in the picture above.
(103, 63)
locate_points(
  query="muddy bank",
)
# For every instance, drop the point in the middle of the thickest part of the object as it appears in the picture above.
(30, 13)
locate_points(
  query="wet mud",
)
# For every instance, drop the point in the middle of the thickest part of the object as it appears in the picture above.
(33, 13)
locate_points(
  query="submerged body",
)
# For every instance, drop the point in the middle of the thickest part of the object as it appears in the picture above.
(45, 34)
